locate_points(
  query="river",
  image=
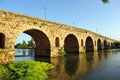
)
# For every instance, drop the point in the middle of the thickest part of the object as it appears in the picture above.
(103, 65)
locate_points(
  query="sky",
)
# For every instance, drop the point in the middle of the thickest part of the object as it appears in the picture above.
(92, 15)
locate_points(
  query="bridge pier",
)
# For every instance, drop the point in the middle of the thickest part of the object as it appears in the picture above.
(82, 49)
(95, 48)
(6, 56)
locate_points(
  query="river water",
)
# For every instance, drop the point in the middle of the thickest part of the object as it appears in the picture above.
(103, 65)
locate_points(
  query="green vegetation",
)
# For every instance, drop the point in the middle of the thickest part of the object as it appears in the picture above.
(105, 1)
(24, 44)
(25, 70)
(62, 51)
(4, 73)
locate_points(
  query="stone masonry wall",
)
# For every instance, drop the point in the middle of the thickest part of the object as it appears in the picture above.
(13, 24)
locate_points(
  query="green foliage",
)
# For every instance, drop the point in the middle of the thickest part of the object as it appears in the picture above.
(24, 44)
(30, 70)
(25, 70)
(105, 1)
(31, 44)
(4, 73)
(18, 45)
(62, 51)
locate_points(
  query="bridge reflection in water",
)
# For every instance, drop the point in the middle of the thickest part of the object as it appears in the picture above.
(79, 66)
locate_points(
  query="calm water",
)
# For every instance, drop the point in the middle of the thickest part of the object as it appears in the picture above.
(104, 65)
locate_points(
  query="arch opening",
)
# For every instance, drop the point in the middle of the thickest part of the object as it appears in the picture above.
(2, 40)
(71, 44)
(42, 47)
(89, 44)
(99, 46)
(105, 45)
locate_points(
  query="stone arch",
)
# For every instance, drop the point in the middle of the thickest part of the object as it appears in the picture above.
(71, 44)
(2, 40)
(89, 44)
(105, 45)
(99, 46)
(42, 42)
(57, 42)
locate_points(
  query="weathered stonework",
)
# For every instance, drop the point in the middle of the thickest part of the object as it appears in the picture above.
(45, 33)
(6, 56)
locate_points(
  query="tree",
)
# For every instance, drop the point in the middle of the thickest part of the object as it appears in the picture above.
(31, 43)
(105, 1)
(18, 45)
(24, 44)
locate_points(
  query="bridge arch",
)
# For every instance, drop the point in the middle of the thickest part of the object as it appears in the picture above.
(99, 45)
(105, 45)
(89, 44)
(42, 42)
(2, 40)
(71, 44)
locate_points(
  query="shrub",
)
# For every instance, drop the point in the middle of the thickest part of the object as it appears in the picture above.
(62, 51)
(4, 73)
(30, 70)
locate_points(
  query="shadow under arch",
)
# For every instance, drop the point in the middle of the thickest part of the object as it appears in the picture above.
(71, 44)
(99, 46)
(105, 45)
(42, 48)
(2, 40)
(89, 44)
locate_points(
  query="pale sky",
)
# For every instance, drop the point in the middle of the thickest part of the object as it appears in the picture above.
(92, 15)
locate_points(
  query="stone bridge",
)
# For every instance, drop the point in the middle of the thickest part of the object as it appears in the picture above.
(50, 37)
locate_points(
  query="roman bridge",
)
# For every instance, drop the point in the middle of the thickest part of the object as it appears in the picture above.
(50, 37)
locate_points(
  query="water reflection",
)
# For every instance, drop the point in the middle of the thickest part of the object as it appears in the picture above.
(72, 67)
(77, 66)
(42, 59)
(71, 63)
(24, 54)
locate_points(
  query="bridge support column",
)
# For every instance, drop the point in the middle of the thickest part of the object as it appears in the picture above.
(82, 49)
(54, 51)
(95, 48)
(6, 56)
